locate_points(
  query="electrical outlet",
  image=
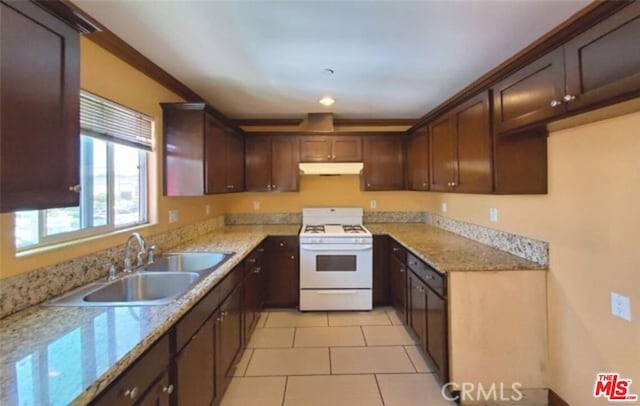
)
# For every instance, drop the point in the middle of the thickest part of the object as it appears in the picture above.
(444, 207)
(620, 306)
(256, 205)
(493, 215)
(373, 204)
(173, 216)
(207, 209)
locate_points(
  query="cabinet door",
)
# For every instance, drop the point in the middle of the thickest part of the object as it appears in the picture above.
(283, 277)
(284, 164)
(346, 148)
(40, 93)
(531, 95)
(398, 275)
(417, 303)
(228, 340)
(473, 141)
(603, 63)
(380, 270)
(159, 394)
(215, 162)
(195, 368)
(234, 147)
(437, 333)
(418, 159)
(442, 156)
(383, 162)
(258, 164)
(315, 148)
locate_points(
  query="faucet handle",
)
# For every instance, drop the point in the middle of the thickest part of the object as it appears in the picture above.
(151, 255)
(112, 272)
(140, 260)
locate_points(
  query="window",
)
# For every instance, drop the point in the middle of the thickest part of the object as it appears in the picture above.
(115, 142)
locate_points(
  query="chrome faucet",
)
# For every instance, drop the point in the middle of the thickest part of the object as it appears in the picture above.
(127, 252)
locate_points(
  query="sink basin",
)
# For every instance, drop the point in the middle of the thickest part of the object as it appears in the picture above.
(162, 282)
(145, 287)
(188, 261)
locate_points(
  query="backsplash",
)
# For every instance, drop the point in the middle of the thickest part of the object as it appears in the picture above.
(296, 218)
(523, 247)
(21, 291)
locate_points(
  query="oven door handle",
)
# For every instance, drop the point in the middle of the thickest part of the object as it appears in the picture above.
(336, 292)
(335, 247)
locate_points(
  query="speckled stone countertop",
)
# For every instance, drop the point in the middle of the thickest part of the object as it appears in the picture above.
(67, 355)
(448, 252)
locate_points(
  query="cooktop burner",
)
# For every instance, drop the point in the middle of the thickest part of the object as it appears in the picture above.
(314, 229)
(353, 229)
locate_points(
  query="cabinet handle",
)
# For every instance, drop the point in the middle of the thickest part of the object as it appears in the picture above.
(368, 184)
(273, 187)
(555, 103)
(282, 244)
(333, 157)
(260, 249)
(131, 393)
(419, 288)
(329, 156)
(251, 260)
(75, 188)
(225, 314)
(413, 263)
(395, 249)
(424, 185)
(431, 277)
(402, 270)
(568, 97)
(293, 257)
(257, 270)
(268, 187)
(167, 389)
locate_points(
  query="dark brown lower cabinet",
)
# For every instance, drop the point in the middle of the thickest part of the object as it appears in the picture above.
(437, 333)
(381, 270)
(228, 339)
(417, 303)
(283, 276)
(194, 368)
(398, 282)
(159, 394)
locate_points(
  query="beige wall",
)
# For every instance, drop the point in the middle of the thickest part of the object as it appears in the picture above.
(109, 77)
(591, 218)
(318, 191)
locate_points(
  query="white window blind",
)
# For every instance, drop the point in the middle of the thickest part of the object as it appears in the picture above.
(103, 119)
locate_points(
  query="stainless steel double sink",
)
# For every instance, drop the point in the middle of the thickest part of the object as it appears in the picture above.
(162, 282)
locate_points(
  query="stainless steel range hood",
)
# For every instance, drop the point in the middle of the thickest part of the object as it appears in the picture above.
(330, 168)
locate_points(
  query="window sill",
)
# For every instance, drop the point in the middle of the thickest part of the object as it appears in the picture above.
(65, 244)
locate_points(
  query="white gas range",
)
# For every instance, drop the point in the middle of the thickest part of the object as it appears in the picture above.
(336, 260)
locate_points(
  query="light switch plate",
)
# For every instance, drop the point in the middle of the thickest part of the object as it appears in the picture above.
(373, 204)
(444, 207)
(173, 216)
(620, 306)
(207, 209)
(256, 205)
(493, 215)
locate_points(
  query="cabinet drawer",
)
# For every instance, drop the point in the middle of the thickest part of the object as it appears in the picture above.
(398, 250)
(230, 282)
(284, 243)
(191, 322)
(130, 386)
(430, 276)
(254, 259)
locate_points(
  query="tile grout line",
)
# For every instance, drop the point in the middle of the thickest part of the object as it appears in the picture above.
(364, 337)
(248, 362)
(284, 392)
(293, 342)
(410, 359)
(375, 376)
(330, 363)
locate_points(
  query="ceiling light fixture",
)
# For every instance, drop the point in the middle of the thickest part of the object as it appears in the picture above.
(327, 101)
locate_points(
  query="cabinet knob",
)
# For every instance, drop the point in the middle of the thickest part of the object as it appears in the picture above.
(402, 270)
(430, 277)
(555, 103)
(251, 260)
(268, 187)
(282, 244)
(257, 270)
(424, 185)
(293, 257)
(230, 186)
(167, 389)
(568, 97)
(333, 157)
(131, 393)
(395, 249)
(413, 263)
(328, 156)
(368, 184)
(260, 249)
(75, 188)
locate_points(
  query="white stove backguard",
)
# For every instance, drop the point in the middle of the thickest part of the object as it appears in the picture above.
(332, 215)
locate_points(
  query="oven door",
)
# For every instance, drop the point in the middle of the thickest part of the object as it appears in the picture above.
(336, 266)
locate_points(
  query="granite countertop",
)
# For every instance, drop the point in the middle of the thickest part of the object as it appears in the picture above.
(67, 355)
(449, 252)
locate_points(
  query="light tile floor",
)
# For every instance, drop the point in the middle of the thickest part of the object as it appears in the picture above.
(334, 359)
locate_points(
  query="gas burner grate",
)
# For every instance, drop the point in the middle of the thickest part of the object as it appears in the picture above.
(318, 229)
(353, 229)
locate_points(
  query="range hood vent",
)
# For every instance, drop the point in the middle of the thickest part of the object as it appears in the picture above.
(330, 168)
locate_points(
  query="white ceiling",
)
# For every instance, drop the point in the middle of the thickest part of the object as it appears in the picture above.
(392, 59)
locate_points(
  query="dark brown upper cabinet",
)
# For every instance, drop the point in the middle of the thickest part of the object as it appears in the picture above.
(599, 66)
(201, 154)
(461, 148)
(40, 93)
(418, 159)
(271, 163)
(383, 162)
(330, 148)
